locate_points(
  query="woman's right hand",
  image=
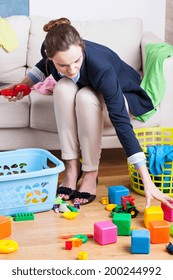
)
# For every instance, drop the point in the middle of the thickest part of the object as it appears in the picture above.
(16, 92)
(22, 88)
(19, 96)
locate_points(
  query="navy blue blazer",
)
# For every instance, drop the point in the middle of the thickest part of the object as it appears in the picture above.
(104, 71)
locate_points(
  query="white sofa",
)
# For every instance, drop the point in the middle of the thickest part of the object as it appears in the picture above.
(31, 121)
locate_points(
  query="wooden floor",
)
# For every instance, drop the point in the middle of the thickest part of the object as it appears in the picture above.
(41, 239)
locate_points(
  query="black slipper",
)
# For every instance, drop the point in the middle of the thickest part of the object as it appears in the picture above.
(85, 195)
(66, 191)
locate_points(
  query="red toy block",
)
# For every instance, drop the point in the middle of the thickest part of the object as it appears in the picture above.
(168, 212)
(159, 231)
(5, 227)
(68, 245)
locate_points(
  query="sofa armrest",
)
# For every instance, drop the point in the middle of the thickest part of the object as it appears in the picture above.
(147, 37)
(167, 102)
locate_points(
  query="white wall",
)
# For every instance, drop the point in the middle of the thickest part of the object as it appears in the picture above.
(151, 11)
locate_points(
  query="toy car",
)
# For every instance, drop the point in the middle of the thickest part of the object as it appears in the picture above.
(127, 206)
(18, 88)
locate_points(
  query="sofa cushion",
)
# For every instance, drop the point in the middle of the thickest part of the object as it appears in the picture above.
(155, 120)
(43, 118)
(14, 114)
(14, 63)
(42, 112)
(121, 35)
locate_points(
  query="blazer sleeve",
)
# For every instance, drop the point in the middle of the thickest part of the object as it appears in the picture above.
(106, 82)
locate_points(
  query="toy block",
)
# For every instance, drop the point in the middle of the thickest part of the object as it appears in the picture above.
(72, 209)
(109, 207)
(115, 193)
(171, 230)
(82, 256)
(140, 241)
(159, 231)
(152, 213)
(23, 217)
(168, 212)
(70, 215)
(104, 200)
(76, 242)
(77, 204)
(5, 227)
(68, 245)
(63, 208)
(105, 232)
(123, 223)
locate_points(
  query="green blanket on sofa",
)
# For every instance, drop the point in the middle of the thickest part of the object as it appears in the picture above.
(153, 81)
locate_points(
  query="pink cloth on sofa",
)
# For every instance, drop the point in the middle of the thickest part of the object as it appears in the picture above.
(45, 87)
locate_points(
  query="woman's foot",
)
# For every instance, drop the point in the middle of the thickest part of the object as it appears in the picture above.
(87, 191)
(67, 189)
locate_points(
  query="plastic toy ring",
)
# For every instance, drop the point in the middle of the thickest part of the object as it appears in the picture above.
(8, 246)
(83, 237)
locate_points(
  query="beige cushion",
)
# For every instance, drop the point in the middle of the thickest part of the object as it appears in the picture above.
(42, 112)
(121, 35)
(14, 114)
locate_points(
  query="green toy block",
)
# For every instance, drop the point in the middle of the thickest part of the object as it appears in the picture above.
(123, 223)
(23, 217)
(71, 208)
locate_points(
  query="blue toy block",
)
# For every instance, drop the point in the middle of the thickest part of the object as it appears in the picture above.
(116, 192)
(140, 241)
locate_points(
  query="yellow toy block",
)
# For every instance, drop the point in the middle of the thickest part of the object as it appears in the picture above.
(110, 207)
(105, 200)
(82, 256)
(153, 213)
(70, 215)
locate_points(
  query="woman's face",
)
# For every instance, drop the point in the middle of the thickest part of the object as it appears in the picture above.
(69, 62)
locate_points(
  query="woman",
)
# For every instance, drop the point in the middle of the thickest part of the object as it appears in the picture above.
(92, 82)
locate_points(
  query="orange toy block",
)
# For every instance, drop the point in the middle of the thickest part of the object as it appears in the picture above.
(153, 213)
(76, 242)
(5, 227)
(159, 232)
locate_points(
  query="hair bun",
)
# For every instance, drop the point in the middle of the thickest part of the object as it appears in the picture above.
(51, 24)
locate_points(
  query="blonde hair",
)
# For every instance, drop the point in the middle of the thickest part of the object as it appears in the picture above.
(60, 36)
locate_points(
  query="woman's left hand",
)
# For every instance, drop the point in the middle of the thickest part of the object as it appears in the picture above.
(150, 189)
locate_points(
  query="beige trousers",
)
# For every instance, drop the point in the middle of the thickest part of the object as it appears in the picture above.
(79, 116)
